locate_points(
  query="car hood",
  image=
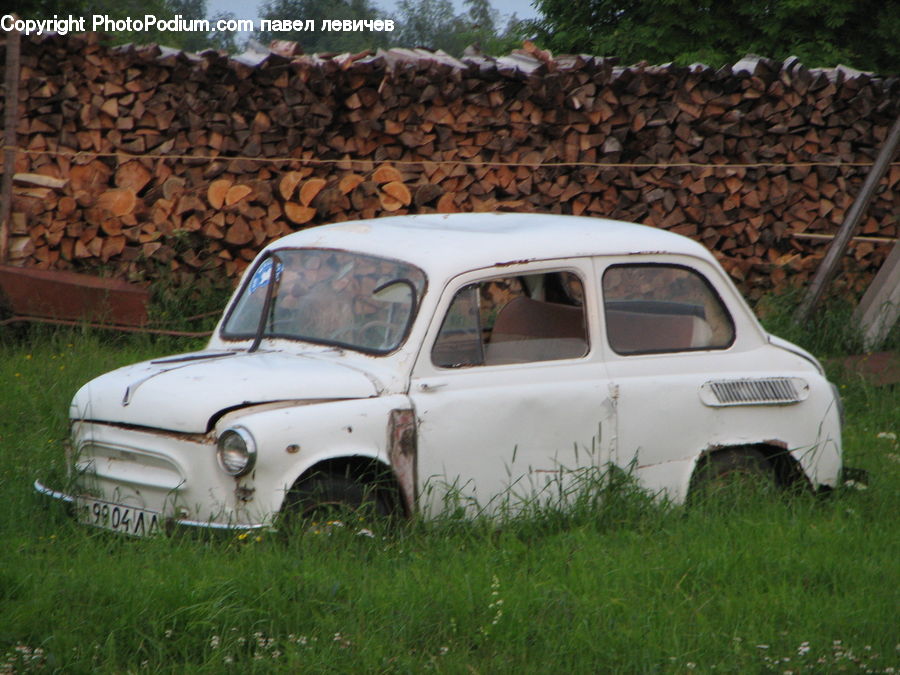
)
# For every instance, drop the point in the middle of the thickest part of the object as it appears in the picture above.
(183, 393)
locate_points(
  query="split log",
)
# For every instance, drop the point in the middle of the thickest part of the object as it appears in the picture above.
(117, 202)
(133, 176)
(310, 189)
(387, 174)
(289, 183)
(236, 193)
(299, 213)
(398, 191)
(399, 138)
(217, 192)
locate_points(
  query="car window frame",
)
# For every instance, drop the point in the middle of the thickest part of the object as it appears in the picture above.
(583, 273)
(414, 317)
(704, 278)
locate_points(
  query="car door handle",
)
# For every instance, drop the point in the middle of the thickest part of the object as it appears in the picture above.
(426, 387)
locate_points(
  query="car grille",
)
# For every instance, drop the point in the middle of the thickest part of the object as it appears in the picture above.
(130, 466)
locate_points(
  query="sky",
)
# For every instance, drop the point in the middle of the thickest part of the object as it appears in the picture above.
(247, 9)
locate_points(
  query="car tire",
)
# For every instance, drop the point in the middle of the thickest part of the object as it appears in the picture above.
(327, 499)
(728, 476)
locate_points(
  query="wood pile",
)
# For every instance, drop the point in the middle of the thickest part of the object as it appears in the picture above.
(133, 159)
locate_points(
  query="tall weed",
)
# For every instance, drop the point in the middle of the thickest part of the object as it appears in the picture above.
(604, 579)
(831, 330)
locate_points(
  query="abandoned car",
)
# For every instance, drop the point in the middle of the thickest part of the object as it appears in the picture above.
(396, 361)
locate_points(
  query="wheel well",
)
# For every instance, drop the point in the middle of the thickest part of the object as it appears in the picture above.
(787, 470)
(363, 470)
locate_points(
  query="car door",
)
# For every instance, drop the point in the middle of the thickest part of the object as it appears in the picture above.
(511, 397)
(667, 331)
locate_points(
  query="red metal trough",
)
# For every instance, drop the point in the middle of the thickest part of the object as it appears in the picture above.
(33, 294)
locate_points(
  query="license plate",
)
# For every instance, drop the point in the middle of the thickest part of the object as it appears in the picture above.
(117, 517)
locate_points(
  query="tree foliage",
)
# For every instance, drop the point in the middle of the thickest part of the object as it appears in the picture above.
(434, 24)
(859, 33)
(318, 10)
(427, 23)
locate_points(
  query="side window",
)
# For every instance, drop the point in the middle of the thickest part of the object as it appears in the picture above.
(520, 319)
(663, 308)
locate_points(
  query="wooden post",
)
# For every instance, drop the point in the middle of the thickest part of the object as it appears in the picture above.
(848, 227)
(11, 119)
(880, 306)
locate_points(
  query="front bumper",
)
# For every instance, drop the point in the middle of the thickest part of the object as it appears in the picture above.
(170, 522)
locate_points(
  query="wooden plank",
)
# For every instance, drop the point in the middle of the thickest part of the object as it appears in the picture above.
(11, 119)
(832, 259)
(830, 237)
(879, 308)
(40, 180)
(878, 368)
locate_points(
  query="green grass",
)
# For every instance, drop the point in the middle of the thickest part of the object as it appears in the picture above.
(799, 584)
(831, 330)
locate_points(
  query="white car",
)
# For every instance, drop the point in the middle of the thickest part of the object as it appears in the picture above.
(482, 357)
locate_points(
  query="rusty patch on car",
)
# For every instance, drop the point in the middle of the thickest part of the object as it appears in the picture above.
(510, 263)
(403, 454)
(244, 493)
(192, 437)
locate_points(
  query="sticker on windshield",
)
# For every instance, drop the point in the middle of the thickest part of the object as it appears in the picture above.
(263, 275)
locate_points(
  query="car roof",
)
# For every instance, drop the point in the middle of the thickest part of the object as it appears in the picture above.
(448, 244)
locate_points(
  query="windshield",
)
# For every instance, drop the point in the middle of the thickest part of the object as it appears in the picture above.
(328, 297)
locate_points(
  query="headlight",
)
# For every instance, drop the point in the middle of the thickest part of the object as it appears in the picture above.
(236, 451)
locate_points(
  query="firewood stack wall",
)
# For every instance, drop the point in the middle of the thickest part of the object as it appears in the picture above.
(146, 161)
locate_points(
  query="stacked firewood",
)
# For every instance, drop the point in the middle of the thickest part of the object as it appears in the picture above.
(133, 157)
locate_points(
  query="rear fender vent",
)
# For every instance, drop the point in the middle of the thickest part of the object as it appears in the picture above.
(755, 391)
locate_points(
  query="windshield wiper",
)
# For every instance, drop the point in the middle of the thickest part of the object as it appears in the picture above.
(267, 305)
